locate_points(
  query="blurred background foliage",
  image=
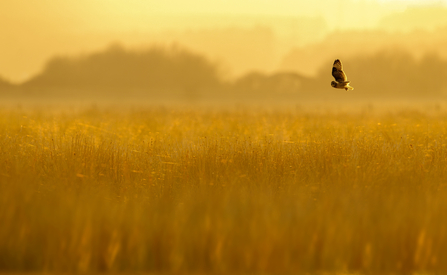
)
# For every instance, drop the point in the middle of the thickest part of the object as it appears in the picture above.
(387, 72)
(388, 50)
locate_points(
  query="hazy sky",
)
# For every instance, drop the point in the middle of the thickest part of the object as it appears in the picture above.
(33, 31)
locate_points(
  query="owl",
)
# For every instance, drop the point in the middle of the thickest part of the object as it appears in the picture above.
(341, 81)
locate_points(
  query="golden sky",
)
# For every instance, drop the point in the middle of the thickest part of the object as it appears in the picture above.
(34, 31)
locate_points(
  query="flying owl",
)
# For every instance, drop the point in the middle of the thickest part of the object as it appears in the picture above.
(341, 81)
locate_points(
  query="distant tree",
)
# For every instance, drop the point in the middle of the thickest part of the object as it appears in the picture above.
(350, 44)
(116, 67)
(432, 73)
(5, 85)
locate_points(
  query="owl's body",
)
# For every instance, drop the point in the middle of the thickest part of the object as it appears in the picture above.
(342, 85)
(341, 80)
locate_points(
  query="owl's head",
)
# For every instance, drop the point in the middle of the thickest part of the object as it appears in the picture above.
(334, 84)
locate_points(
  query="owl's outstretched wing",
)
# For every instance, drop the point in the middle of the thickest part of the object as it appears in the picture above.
(337, 72)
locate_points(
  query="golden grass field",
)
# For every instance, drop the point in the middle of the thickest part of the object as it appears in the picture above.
(236, 190)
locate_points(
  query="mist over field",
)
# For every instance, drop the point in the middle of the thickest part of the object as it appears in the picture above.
(380, 63)
(392, 50)
(173, 72)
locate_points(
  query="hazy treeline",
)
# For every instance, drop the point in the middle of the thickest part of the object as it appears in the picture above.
(357, 43)
(117, 68)
(393, 72)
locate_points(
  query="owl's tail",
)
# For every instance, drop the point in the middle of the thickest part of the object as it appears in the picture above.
(347, 87)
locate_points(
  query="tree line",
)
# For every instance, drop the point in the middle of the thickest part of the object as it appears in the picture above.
(387, 72)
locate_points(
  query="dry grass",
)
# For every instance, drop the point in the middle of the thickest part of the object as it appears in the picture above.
(251, 191)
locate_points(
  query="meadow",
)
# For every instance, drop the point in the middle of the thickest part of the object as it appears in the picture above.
(223, 190)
